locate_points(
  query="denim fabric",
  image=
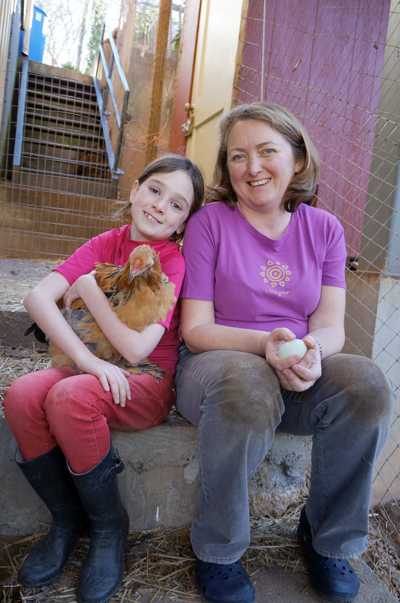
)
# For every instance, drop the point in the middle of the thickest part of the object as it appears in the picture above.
(237, 403)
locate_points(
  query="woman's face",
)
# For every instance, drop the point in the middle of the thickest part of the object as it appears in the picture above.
(160, 205)
(261, 165)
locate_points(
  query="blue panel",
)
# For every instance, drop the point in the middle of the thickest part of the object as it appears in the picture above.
(38, 39)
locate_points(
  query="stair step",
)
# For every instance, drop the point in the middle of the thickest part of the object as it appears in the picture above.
(83, 159)
(27, 244)
(56, 86)
(68, 132)
(64, 81)
(103, 207)
(54, 221)
(65, 183)
(37, 104)
(61, 148)
(62, 98)
(51, 116)
(65, 167)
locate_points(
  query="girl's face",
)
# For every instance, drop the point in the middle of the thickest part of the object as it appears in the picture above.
(261, 165)
(160, 205)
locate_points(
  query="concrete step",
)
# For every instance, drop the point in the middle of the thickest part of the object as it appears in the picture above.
(65, 184)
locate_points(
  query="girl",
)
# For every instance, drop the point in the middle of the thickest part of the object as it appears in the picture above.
(61, 418)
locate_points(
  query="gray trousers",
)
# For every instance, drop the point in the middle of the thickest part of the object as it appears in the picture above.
(237, 403)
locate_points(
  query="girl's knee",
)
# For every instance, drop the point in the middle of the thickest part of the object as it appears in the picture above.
(20, 398)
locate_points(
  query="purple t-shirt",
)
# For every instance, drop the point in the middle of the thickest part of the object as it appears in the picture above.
(256, 282)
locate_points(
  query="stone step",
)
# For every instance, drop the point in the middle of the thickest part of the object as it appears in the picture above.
(161, 479)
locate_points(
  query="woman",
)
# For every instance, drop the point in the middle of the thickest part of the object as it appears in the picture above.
(61, 417)
(265, 266)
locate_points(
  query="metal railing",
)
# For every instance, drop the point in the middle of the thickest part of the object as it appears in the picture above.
(23, 87)
(112, 117)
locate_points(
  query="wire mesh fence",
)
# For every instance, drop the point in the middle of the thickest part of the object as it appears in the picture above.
(336, 66)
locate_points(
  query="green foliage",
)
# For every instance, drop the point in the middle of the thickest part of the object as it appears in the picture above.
(69, 65)
(96, 28)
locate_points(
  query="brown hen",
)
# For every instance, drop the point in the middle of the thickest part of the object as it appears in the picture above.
(139, 293)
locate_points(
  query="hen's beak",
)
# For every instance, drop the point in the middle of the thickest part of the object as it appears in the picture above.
(137, 269)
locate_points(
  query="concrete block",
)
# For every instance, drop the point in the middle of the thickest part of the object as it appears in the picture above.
(160, 483)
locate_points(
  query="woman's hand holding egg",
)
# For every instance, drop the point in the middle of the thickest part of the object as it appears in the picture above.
(297, 362)
(295, 347)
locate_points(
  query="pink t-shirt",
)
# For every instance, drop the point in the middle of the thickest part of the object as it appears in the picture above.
(256, 282)
(114, 246)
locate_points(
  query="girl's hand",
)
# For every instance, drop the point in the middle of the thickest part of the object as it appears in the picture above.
(301, 376)
(112, 378)
(75, 291)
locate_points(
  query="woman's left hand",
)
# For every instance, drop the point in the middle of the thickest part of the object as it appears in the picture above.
(75, 291)
(304, 374)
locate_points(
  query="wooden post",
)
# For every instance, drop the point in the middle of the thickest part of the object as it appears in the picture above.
(158, 80)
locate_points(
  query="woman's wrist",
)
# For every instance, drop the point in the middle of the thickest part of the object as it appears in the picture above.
(319, 346)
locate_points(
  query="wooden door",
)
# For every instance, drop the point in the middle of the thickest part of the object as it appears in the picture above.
(215, 62)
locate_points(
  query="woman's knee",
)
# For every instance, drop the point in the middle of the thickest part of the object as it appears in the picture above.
(240, 385)
(367, 390)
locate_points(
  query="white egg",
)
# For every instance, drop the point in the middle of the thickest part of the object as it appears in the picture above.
(296, 347)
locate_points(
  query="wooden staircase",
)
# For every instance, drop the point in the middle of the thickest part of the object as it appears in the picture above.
(62, 191)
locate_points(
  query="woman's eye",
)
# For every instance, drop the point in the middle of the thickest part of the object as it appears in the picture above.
(154, 189)
(237, 157)
(267, 151)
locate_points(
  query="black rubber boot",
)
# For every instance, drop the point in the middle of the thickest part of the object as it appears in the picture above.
(49, 477)
(103, 568)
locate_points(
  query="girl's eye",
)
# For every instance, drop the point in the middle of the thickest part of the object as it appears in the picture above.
(176, 205)
(153, 189)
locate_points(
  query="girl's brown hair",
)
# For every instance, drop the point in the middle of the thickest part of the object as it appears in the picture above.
(304, 184)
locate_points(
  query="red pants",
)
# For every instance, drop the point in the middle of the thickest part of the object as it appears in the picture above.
(59, 407)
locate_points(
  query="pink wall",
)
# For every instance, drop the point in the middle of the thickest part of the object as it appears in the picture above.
(322, 59)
